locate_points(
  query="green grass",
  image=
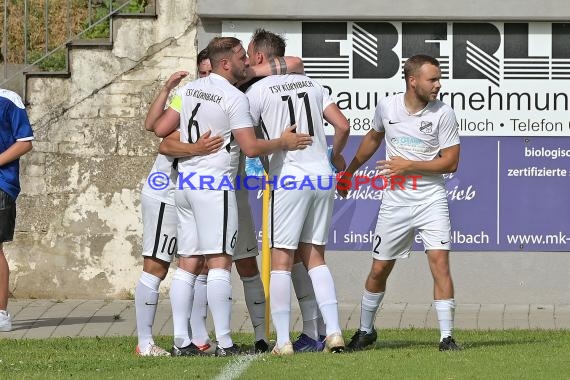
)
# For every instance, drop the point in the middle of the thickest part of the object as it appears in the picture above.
(409, 354)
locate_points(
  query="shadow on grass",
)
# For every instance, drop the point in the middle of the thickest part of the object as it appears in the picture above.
(466, 345)
(26, 324)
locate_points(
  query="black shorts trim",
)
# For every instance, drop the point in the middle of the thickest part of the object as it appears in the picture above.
(225, 228)
(158, 226)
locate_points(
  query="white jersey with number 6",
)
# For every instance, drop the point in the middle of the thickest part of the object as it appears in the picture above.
(211, 104)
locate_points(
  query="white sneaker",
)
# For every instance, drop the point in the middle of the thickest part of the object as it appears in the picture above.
(5, 321)
(286, 349)
(334, 343)
(152, 350)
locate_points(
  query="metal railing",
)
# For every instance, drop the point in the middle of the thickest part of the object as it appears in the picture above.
(32, 52)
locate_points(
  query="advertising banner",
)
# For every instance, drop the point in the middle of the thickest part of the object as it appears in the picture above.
(508, 84)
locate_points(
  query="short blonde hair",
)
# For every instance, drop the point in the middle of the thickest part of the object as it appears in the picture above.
(221, 48)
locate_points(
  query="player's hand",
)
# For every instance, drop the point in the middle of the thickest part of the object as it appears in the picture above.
(207, 144)
(295, 141)
(395, 166)
(343, 183)
(175, 79)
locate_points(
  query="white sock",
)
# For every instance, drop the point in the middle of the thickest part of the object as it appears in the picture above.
(181, 297)
(255, 301)
(369, 307)
(323, 285)
(220, 302)
(445, 315)
(199, 312)
(307, 301)
(146, 301)
(280, 301)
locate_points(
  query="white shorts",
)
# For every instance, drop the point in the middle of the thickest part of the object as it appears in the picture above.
(246, 245)
(207, 222)
(300, 216)
(395, 228)
(160, 222)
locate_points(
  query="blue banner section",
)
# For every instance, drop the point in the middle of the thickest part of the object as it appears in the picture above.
(509, 194)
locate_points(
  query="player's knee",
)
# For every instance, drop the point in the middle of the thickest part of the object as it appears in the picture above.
(443, 274)
(440, 265)
(247, 267)
(157, 271)
(379, 274)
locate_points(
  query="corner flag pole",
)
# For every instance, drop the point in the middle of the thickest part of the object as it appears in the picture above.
(265, 251)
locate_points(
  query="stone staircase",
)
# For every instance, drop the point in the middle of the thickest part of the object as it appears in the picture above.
(92, 61)
(78, 233)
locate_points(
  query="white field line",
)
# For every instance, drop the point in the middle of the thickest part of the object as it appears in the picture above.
(236, 367)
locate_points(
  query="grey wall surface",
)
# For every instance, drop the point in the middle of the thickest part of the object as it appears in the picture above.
(479, 278)
(547, 10)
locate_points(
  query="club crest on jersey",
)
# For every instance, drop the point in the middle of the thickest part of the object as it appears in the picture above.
(426, 127)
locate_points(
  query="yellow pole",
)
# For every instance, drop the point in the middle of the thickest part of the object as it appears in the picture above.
(265, 251)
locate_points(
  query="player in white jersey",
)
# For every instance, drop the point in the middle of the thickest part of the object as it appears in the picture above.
(198, 330)
(422, 143)
(204, 65)
(246, 245)
(205, 200)
(160, 224)
(300, 217)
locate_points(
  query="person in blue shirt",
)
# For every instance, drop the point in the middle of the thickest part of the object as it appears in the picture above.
(15, 140)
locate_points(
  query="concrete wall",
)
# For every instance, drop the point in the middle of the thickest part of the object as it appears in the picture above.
(551, 10)
(78, 230)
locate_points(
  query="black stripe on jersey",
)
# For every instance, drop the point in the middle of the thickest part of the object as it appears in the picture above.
(225, 228)
(264, 132)
(271, 216)
(158, 226)
(228, 146)
(175, 164)
(261, 133)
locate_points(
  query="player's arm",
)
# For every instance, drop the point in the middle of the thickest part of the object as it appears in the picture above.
(446, 162)
(157, 107)
(167, 123)
(206, 144)
(15, 151)
(253, 147)
(278, 65)
(335, 117)
(368, 146)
